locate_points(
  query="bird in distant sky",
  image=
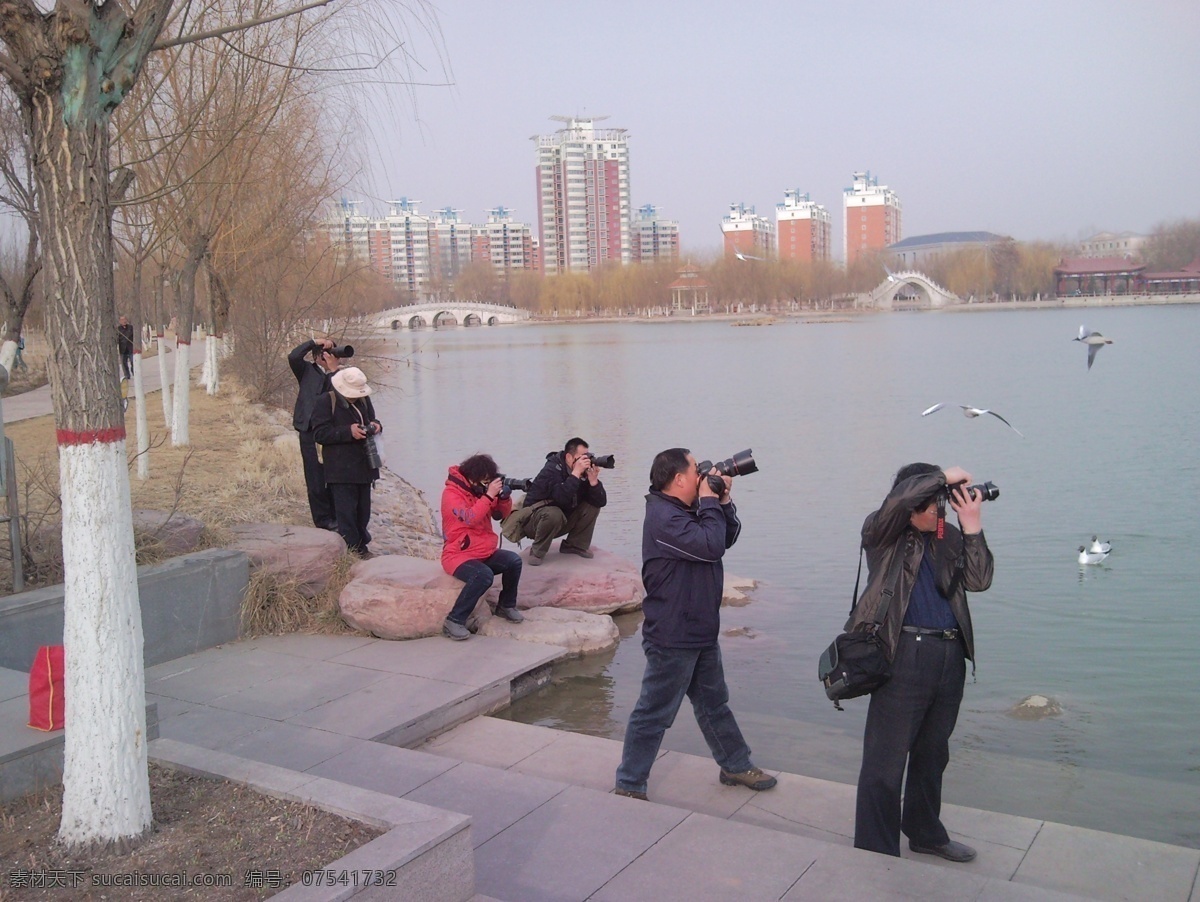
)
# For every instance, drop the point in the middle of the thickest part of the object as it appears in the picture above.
(742, 256)
(1094, 341)
(890, 276)
(972, 412)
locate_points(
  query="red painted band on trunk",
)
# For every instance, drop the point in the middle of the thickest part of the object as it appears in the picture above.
(90, 436)
(183, 344)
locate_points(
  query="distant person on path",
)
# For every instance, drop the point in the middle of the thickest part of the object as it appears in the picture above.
(19, 361)
(569, 495)
(928, 636)
(342, 420)
(125, 346)
(687, 529)
(313, 378)
(474, 496)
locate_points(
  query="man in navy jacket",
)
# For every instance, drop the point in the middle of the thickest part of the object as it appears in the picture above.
(687, 528)
(313, 381)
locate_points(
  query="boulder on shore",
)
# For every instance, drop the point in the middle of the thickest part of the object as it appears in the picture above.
(178, 533)
(395, 596)
(604, 584)
(302, 553)
(579, 632)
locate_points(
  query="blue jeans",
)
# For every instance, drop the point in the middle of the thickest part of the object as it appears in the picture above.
(477, 577)
(670, 674)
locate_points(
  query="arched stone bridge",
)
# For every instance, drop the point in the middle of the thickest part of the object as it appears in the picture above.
(449, 313)
(927, 294)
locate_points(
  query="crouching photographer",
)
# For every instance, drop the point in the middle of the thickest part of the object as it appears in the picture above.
(920, 568)
(565, 500)
(474, 496)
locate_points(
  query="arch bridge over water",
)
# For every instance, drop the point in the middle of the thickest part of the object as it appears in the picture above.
(910, 289)
(449, 313)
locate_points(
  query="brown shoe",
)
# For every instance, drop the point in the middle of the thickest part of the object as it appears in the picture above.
(534, 560)
(630, 794)
(754, 778)
(571, 549)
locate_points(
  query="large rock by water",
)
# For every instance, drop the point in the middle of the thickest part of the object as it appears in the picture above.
(302, 553)
(578, 631)
(395, 596)
(605, 584)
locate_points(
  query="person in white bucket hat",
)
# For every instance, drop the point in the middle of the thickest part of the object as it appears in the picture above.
(345, 426)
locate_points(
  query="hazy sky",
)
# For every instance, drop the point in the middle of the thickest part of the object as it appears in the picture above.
(1032, 119)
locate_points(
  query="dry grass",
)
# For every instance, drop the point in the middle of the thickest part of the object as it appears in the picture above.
(273, 605)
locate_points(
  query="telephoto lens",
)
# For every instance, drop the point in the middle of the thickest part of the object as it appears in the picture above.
(606, 461)
(741, 464)
(373, 458)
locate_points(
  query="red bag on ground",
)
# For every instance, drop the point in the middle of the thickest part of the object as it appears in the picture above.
(46, 700)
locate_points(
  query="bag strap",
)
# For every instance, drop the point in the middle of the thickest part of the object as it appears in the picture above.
(889, 587)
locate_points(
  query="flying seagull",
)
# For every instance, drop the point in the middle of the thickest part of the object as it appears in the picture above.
(1088, 557)
(973, 412)
(742, 256)
(890, 275)
(1094, 341)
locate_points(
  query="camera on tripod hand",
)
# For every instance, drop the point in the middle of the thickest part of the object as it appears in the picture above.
(340, 351)
(740, 464)
(988, 490)
(510, 484)
(605, 461)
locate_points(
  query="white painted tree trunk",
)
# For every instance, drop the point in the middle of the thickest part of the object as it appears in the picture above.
(182, 408)
(143, 427)
(106, 790)
(206, 365)
(164, 380)
(212, 347)
(8, 354)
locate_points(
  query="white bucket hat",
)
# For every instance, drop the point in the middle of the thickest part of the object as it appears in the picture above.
(351, 382)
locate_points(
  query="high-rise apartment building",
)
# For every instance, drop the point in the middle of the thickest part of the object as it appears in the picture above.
(503, 242)
(803, 229)
(583, 196)
(872, 216)
(654, 238)
(747, 233)
(449, 245)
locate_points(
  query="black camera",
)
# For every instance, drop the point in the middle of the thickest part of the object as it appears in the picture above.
(371, 428)
(341, 351)
(740, 464)
(988, 490)
(606, 461)
(510, 484)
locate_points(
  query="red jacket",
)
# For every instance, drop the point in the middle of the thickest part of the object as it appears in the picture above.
(467, 522)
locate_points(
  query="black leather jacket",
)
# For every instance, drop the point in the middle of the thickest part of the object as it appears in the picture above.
(562, 489)
(887, 532)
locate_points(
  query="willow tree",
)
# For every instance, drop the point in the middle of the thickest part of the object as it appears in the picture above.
(68, 68)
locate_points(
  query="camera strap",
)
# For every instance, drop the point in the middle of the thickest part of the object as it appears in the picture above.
(941, 516)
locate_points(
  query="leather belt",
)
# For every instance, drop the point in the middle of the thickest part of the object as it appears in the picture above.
(923, 631)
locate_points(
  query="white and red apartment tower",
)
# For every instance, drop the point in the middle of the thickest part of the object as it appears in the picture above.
(803, 228)
(872, 217)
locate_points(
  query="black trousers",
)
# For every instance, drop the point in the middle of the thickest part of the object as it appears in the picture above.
(909, 721)
(352, 504)
(320, 501)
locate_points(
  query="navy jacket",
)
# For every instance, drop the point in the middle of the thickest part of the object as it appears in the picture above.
(314, 382)
(556, 484)
(682, 572)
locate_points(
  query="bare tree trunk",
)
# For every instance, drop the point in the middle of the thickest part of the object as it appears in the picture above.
(184, 317)
(106, 794)
(139, 390)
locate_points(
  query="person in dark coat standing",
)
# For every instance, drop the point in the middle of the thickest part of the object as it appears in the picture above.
(125, 346)
(313, 379)
(343, 420)
(567, 495)
(688, 528)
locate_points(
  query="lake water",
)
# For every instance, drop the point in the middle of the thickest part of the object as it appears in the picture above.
(832, 409)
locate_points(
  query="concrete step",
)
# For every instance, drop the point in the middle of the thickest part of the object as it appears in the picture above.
(1019, 857)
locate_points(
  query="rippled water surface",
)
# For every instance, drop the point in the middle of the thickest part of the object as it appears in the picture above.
(831, 410)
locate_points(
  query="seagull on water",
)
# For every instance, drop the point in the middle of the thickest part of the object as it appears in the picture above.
(1089, 557)
(1098, 547)
(1094, 341)
(972, 412)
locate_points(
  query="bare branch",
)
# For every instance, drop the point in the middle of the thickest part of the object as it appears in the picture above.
(241, 26)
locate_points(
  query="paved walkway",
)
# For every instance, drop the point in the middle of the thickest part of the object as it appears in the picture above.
(323, 712)
(37, 403)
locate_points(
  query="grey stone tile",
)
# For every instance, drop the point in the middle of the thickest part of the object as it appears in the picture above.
(194, 660)
(203, 681)
(289, 746)
(848, 873)
(993, 860)
(1106, 866)
(707, 858)
(576, 759)
(819, 809)
(279, 699)
(32, 772)
(13, 684)
(210, 728)
(313, 647)
(491, 741)
(480, 662)
(168, 707)
(570, 847)
(687, 781)
(991, 826)
(16, 736)
(382, 707)
(381, 809)
(383, 768)
(995, 890)
(192, 759)
(494, 798)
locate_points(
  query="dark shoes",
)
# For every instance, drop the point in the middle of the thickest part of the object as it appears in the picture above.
(457, 631)
(630, 794)
(571, 549)
(534, 560)
(512, 615)
(331, 525)
(951, 851)
(754, 778)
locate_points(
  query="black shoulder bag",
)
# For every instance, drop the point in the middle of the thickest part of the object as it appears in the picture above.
(856, 663)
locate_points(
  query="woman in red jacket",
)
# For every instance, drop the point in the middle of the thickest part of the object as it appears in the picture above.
(472, 499)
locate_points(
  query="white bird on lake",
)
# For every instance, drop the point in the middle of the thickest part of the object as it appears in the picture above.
(1088, 557)
(1094, 341)
(1098, 547)
(972, 412)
